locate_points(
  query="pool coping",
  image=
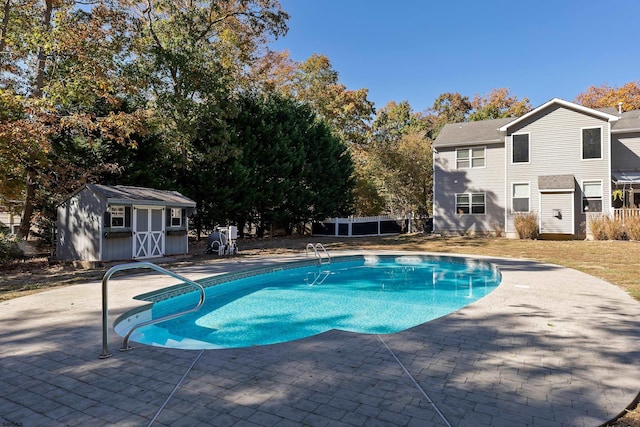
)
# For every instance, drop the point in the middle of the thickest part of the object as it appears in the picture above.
(550, 346)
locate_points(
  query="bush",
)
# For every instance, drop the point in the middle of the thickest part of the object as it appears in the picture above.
(632, 227)
(9, 249)
(604, 227)
(526, 225)
(597, 227)
(614, 228)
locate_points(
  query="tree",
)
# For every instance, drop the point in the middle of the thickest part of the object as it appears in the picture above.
(277, 170)
(605, 96)
(60, 65)
(190, 56)
(448, 108)
(402, 158)
(498, 104)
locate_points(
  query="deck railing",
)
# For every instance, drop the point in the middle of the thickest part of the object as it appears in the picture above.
(623, 213)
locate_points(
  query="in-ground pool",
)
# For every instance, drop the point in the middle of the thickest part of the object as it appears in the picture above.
(365, 294)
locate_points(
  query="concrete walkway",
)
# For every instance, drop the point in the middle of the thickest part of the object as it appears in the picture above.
(550, 347)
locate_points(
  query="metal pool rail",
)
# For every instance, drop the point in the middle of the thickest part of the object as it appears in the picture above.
(105, 303)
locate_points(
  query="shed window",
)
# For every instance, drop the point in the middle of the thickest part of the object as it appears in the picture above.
(592, 143)
(521, 148)
(470, 158)
(176, 217)
(592, 196)
(473, 203)
(520, 201)
(117, 216)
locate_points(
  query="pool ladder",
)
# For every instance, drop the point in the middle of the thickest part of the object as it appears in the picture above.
(317, 249)
(105, 303)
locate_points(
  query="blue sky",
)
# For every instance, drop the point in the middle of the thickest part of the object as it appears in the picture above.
(415, 50)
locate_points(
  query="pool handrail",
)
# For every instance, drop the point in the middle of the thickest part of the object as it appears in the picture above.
(316, 250)
(105, 303)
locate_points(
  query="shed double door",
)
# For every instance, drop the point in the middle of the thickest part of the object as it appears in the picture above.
(148, 232)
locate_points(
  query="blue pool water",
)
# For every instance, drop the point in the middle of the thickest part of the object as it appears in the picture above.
(372, 295)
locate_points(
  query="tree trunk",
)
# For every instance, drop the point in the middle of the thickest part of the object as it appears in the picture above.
(5, 26)
(42, 56)
(32, 173)
(27, 210)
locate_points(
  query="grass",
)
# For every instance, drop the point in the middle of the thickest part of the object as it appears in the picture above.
(616, 262)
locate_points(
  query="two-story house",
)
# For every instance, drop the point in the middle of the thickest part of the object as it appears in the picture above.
(561, 161)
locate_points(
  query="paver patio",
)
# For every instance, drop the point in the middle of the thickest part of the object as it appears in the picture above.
(550, 347)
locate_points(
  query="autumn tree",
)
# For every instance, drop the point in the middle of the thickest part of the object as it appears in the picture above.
(62, 61)
(448, 108)
(190, 56)
(498, 104)
(401, 159)
(606, 96)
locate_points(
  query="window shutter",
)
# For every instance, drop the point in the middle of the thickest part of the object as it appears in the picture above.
(184, 218)
(167, 217)
(107, 220)
(127, 216)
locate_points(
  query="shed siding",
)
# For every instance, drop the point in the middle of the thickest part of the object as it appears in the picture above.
(117, 249)
(78, 227)
(176, 245)
(549, 224)
(625, 151)
(555, 144)
(449, 181)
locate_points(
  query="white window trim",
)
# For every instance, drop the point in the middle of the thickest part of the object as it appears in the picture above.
(470, 151)
(528, 148)
(584, 196)
(513, 211)
(470, 203)
(112, 216)
(582, 143)
(179, 210)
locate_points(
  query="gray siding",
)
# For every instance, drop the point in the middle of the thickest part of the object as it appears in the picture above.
(555, 144)
(448, 181)
(549, 224)
(117, 248)
(176, 245)
(79, 226)
(625, 151)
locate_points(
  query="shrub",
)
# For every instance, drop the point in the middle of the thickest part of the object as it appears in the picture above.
(598, 227)
(604, 227)
(614, 228)
(9, 249)
(526, 225)
(632, 227)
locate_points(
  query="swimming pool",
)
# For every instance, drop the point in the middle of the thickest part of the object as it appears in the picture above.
(364, 294)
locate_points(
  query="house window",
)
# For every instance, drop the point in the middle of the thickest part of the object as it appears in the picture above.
(176, 217)
(117, 216)
(473, 203)
(470, 158)
(592, 143)
(520, 145)
(592, 196)
(520, 201)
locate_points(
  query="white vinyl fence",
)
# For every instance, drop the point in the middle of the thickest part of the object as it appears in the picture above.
(370, 225)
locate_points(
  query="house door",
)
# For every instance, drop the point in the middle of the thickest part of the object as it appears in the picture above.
(148, 232)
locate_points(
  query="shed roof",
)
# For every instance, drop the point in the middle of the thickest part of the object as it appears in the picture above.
(556, 183)
(485, 131)
(140, 195)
